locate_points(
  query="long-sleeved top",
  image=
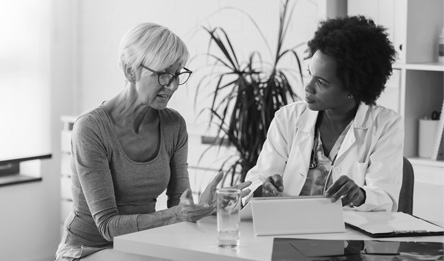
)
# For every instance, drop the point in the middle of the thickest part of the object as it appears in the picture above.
(371, 153)
(111, 192)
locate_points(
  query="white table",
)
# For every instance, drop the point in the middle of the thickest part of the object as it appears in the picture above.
(197, 241)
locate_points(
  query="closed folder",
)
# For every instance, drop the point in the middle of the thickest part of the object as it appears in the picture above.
(390, 224)
(296, 215)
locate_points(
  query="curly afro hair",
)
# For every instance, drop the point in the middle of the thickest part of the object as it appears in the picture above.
(362, 51)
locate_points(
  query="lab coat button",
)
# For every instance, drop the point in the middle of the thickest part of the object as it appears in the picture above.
(337, 169)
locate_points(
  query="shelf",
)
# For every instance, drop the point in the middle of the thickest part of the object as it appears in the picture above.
(431, 66)
(17, 179)
(426, 162)
(10, 170)
(25, 158)
(68, 122)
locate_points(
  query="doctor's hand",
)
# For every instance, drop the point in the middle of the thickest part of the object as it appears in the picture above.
(186, 210)
(273, 186)
(346, 189)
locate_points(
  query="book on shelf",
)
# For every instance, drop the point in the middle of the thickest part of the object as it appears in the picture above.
(437, 153)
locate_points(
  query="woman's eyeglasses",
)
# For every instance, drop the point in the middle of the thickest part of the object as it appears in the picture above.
(166, 78)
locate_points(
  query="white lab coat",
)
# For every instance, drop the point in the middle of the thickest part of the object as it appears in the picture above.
(371, 153)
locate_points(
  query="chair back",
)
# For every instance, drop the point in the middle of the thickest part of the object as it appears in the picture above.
(405, 203)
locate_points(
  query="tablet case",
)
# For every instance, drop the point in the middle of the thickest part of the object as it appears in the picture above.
(296, 215)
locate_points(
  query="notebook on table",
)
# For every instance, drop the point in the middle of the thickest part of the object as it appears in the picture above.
(316, 249)
(390, 224)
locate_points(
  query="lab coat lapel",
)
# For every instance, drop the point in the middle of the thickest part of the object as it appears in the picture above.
(299, 157)
(358, 125)
(304, 137)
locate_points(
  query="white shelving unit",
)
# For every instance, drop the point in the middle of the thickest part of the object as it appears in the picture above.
(414, 27)
(65, 169)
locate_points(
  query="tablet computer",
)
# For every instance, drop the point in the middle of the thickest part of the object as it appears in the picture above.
(296, 215)
(245, 213)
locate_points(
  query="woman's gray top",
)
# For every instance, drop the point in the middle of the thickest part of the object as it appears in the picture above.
(111, 192)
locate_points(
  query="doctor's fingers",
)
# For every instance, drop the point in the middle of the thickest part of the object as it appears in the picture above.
(245, 192)
(337, 185)
(243, 185)
(269, 190)
(277, 181)
(352, 198)
(340, 188)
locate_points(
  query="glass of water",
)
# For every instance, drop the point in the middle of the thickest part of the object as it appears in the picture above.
(228, 217)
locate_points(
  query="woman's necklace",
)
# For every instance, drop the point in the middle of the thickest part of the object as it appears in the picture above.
(313, 157)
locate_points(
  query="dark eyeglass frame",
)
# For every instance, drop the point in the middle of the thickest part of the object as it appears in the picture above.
(173, 76)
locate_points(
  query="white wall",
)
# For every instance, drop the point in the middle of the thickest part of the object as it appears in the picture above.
(24, 78)
(30, 213)
(100, 30)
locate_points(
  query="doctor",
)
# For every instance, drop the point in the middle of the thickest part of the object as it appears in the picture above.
(338, 142)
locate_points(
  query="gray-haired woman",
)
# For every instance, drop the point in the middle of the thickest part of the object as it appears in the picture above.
(129, 150)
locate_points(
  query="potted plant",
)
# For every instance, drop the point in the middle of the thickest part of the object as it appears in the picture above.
(247, 95)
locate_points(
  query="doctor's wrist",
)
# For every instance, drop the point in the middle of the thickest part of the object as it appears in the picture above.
(363, 197)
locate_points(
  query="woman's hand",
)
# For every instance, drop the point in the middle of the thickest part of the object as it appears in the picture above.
(209, 194)
(346, 189)
(188, 211)
(273, 186)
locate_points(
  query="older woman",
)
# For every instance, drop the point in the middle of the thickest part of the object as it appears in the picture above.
(338, 142)
(129, 150)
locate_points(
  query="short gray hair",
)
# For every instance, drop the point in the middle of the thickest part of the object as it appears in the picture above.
(153, 45)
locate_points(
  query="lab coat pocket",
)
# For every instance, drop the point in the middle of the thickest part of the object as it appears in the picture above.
(359, 174)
